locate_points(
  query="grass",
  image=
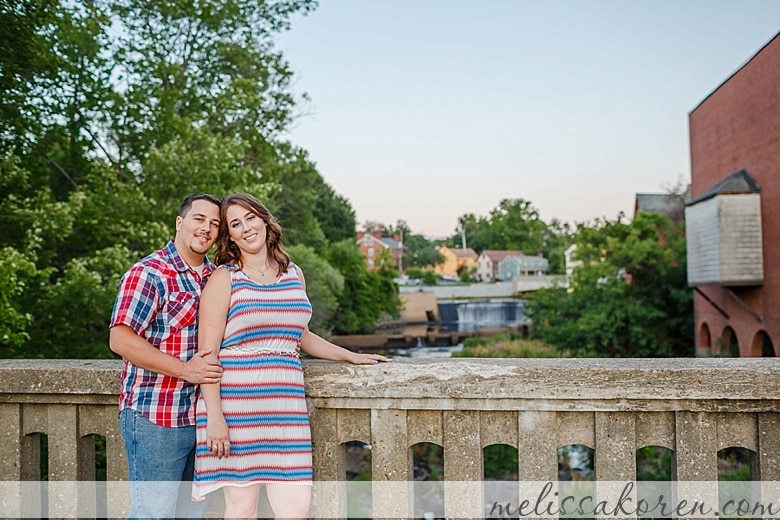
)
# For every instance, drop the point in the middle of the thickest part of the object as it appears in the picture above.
(508, 346)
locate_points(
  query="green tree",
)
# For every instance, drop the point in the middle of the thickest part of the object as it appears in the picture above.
(63, 102)
(334, 212)
(16, 272)
(305, 205)
(555, 240)
(367, 296)
(207, 64)
(104, 132)
(629, 299)
(515, 224)
(25, 61)
(422, 252)
(324, 285)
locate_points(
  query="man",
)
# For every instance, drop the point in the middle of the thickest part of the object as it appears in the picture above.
(154, 328)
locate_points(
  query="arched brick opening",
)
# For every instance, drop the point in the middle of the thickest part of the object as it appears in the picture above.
(729, 344)
(762, 345)
(705, 346)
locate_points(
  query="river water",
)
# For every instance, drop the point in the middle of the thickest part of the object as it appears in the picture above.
(462, 316)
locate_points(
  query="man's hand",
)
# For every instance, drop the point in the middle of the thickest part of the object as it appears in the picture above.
(202, 369)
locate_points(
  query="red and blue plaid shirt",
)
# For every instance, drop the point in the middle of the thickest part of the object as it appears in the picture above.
(158, 298)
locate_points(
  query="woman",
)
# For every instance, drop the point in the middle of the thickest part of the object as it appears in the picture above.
(253, 426)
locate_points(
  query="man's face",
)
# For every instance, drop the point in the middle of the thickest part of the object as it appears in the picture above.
(196, 232)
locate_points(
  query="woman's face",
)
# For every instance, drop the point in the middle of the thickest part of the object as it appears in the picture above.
(246, 228)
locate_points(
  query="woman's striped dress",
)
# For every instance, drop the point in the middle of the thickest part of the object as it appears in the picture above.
(261, 389)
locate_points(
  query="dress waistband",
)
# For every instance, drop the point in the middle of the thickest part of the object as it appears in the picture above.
(250, 349)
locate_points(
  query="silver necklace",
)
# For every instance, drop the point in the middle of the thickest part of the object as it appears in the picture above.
(261, 271)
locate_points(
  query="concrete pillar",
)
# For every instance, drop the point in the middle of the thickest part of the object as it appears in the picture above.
(10, 437)
(391, 467)
(537, 446)
(11, 451)
(696, 449)
(328, 458)
(769, 446)
(615, 446)
(462, 464)
(63, 460)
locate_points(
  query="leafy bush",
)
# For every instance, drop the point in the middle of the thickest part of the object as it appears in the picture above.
(507, 346)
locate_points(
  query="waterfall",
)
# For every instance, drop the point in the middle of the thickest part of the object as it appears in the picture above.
(466, 316)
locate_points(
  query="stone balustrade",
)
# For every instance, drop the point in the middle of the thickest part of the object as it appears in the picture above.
(694, 407)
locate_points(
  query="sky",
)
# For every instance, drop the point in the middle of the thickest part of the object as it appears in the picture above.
(427, 110)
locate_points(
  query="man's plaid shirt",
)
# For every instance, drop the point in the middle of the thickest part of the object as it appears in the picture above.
(158, 298)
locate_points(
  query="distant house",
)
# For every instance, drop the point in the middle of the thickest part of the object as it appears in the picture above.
(372, 243)
(487, 263)
(455, 261)
(670, 204)
(513, 267)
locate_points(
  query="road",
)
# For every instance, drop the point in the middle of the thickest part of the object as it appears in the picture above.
(511, 289)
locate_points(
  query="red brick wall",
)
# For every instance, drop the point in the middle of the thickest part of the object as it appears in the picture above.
(736, 127)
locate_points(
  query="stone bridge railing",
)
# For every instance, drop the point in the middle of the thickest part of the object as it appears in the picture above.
(694, 407)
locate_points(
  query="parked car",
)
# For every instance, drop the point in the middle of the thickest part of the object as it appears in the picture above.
(406, 280)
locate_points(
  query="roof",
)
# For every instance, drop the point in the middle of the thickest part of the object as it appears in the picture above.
(392, 243)
(386, 242)
(531, 261)
(371, 239)
(463, 253)
(776, 37)
(458, 252)
(738, 182)
(497, 255)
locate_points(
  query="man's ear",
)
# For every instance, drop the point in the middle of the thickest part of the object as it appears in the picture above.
(179, 220)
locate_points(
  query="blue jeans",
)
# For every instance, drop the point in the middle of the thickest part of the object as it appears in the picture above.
(160, 464)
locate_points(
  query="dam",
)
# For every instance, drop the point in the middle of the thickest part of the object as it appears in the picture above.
(428, 321)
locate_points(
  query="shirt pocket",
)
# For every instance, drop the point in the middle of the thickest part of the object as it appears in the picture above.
(181, 309)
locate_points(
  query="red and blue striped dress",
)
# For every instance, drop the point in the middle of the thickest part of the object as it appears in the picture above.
(262, 391)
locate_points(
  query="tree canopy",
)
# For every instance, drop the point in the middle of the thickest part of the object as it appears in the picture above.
(111, 112)
(628, 298)
(515, 225)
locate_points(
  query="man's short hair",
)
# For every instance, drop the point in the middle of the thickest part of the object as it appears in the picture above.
(187, 204)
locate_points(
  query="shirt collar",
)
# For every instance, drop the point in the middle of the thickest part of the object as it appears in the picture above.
(178, 262)
(175, 258)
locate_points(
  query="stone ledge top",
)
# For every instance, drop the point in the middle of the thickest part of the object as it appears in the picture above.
(553, 379)
(729, 379)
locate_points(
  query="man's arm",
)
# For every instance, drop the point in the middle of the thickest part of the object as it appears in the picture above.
(124, 341)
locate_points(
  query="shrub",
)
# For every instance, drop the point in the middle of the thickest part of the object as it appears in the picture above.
(507, 346)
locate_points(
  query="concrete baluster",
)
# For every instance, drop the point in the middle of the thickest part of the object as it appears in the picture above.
(769, 445)
(391, 464)
(463, 468)
(10, 451)
(63, 460)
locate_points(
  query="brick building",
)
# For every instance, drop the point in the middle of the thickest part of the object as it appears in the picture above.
(374, 245)
(733, 216)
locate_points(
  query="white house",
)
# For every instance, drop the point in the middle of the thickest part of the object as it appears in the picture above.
(487, 264)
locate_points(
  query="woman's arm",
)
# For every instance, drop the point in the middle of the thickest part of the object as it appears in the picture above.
(214, 304)
(318, 347)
